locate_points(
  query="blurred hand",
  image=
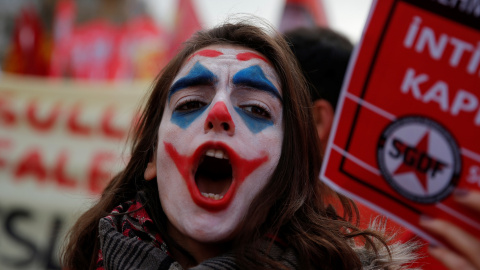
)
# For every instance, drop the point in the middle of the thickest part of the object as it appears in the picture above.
(467, 247)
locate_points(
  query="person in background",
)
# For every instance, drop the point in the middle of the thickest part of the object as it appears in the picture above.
(223, 172)
(323, 56)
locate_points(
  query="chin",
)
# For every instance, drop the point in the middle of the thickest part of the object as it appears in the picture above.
(211, 228)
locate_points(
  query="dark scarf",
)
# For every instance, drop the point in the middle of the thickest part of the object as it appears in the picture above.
(130, 241)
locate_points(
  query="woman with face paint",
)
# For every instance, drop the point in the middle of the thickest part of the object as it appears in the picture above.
(224, 173)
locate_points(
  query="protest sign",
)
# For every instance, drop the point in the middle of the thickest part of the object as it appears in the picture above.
(60, 143)
(407, 129)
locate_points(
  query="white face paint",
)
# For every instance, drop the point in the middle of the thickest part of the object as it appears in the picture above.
(219, 140)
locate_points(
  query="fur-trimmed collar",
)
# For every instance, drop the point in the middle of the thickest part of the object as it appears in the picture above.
(399, 256)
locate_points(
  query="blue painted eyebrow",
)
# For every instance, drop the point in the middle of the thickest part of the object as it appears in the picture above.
(254, 77)
(198, 75)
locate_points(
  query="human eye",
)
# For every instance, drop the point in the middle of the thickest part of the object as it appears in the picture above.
(257, 110)
(189, 106)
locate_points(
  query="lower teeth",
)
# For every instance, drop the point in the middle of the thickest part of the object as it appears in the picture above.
(212, 196)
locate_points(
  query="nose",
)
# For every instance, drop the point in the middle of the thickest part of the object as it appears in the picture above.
(219, 119)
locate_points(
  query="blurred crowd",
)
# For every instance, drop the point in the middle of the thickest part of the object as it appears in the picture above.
(107, 39)
(93, 40)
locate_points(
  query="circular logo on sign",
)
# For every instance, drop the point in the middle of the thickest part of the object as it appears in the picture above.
(419, 159)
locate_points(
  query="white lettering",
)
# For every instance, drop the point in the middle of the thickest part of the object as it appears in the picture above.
(438, 93)
(473, 7)
(464, 101)
(445, 2)
(410, 82)
(474, 61)
(460, 47)
(474, 175)
(477, 119)
(463, 4)
(436, 45)
(427, 37)
(466, 6)
(412, 32)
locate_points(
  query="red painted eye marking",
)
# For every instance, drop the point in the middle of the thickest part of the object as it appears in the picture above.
(249, 55)
(207, 53)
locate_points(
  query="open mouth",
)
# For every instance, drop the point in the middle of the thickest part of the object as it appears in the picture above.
(211, 178)
(214, 174)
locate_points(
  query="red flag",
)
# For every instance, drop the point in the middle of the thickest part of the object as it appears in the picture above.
(303, 13)
(316, 9)
(63, 28)
(30, 50)
(187, 23)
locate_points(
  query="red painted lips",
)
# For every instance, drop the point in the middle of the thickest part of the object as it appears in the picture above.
(213, 176)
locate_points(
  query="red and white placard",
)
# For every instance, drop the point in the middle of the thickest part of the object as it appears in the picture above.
(407, 130)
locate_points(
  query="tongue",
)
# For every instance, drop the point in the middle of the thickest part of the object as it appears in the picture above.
(214, 186)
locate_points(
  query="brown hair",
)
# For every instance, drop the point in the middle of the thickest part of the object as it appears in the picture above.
(293, 206)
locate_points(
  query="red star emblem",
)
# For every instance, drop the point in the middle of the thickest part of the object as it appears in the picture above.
(422, 147)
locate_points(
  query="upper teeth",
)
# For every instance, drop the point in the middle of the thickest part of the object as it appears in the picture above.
(217, 153)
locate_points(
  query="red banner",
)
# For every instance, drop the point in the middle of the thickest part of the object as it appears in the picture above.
(60, 144)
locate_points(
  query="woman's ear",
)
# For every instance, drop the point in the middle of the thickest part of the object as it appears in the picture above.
(323, 114)
(150, 171)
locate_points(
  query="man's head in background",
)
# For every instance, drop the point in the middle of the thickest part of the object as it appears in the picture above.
(323, 56)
